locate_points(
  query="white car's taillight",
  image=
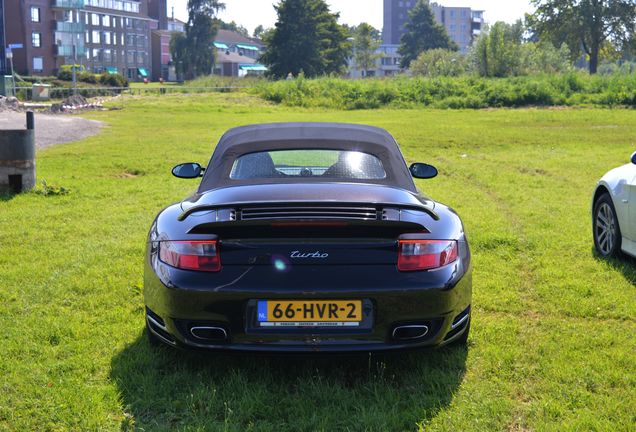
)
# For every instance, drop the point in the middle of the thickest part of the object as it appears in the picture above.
(199, 255)
(416, 255)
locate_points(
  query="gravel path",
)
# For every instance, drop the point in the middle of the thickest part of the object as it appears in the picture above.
(52, 129)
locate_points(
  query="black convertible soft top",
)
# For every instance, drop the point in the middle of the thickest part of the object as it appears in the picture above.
(293, 136)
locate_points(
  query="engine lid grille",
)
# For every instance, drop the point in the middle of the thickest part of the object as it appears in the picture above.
(353, 213)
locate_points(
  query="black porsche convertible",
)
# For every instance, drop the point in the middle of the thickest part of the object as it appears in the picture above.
(306, 237)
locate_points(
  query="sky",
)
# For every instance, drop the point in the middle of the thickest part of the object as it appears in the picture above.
(251, 13)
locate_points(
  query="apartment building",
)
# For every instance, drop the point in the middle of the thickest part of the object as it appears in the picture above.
(99, 35)
(238, 55)
(461, 23)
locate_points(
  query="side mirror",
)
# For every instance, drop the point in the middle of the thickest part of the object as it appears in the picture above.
(188, 170)
(634, 158)
(423, 171)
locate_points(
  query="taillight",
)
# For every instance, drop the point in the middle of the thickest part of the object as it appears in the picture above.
(425, 254)
(200, 255)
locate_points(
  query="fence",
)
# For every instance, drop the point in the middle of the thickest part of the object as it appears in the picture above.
(58, 93)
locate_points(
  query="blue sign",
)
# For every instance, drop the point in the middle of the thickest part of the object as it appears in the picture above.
(15, 46)
(262, 311)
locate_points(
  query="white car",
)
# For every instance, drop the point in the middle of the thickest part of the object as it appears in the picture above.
(614, 211)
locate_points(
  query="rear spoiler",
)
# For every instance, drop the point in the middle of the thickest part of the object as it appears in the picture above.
(379, 206)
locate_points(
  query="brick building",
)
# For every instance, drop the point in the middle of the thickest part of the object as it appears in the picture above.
(101, 35)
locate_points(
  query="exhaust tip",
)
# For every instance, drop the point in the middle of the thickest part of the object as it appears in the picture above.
(210, 334)
(410, 332)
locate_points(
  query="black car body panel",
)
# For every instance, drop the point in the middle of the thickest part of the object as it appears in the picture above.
(310, 240)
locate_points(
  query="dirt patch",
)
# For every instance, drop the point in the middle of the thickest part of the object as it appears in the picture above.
(52, 129)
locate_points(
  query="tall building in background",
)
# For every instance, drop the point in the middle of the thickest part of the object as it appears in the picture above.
(100, 35)
(461, 23)
(158, 9)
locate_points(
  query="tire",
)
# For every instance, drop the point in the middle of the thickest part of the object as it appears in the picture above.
(605, 229)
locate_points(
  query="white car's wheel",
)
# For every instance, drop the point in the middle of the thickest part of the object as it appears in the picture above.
(607, 233)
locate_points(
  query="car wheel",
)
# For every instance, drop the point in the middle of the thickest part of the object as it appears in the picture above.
(607, 233)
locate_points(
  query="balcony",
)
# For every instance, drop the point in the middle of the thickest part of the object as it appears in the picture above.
(67, 50)
(477, 18)
(68, 27)
(68, 4)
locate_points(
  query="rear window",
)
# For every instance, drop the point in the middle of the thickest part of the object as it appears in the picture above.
(319, 164)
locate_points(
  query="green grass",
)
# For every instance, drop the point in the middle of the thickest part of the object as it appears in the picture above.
(552, 346)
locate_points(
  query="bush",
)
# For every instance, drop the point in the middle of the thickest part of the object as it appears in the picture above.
(87, 77)
(439, 62)
(465, 92)
(113, 80)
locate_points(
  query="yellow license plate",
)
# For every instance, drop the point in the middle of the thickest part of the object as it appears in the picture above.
(313, 312)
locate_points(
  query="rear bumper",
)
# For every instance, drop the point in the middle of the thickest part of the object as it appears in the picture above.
(177, 301)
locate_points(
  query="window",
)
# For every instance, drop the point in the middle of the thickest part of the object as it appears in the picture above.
(38, 63)
(96, 38)
(36, 40)
(35, 15)
(87, 37)
(107, 56)
(107, 38)
(106, 21)
(114, 38)
(308, 164)
(95, 19)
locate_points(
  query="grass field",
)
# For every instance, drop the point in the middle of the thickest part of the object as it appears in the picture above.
(553, 339)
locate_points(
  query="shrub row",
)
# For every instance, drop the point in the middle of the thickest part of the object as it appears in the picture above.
(453, 92)
(106, 79)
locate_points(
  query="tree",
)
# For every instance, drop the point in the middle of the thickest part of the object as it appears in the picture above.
(258, 31)
(543, 57)
(366, 41)
(422, 33)
(233, 26)
(307, 38)
(497, 51)
(439, 62)
(352, 30)
(585, 25)
(179, 52)
(194, 53)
